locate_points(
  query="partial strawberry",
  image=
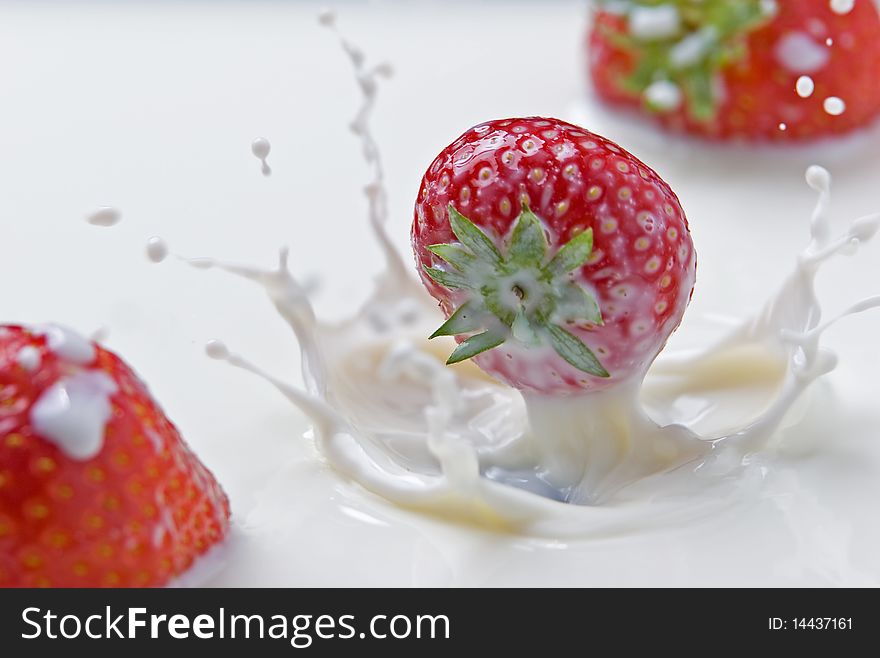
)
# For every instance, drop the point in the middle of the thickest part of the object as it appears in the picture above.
(729, 69)
(97, 488)
(562, 262)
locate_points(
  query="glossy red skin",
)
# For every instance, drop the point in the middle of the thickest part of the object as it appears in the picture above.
(759, 93)
(574, 161)
(93, 523)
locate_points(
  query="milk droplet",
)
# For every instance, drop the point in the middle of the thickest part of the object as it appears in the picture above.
(805, 86)
(384, 69)
(829, 42)
(649, 23)
(818, 178)
(104, 216)
(216, 349)
(327, 18)
(66, 343)
(834, 106)
(797, 52)
(29, 358)
(663, 95)
(769, 7)
(842, 6)
(157, 249)
(100, 335)
(260, 147)
(783, 127)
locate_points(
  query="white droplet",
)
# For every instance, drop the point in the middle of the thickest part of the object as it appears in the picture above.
(663, 95)
(693, 48)
(864, 228)
(100, 335)
(804, 86)
(783, 127)
(157, 249)
(842, 6)
(660, 22)
(260, 147)
(829, 42)
(327, 17)
(818, 178)
(834, 106)
(384, 69)
(104, 216)
(769, 7)
(73, 413)
(216, 349)
(29, 358)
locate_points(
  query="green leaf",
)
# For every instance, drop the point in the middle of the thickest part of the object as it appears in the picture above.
(466, 318)
(454, 255)
(700, 93)
(473, 238)
(492, 300)
(447, 279)
(573, 254)
(577, 304)
(475, 345)
(528, 244)
(570, 348)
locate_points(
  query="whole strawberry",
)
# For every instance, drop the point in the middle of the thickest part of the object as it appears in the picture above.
(562, 262)
(96, 486)
(740, 69)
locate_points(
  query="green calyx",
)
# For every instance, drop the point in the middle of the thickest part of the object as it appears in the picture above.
(521, 294)
(680, 47)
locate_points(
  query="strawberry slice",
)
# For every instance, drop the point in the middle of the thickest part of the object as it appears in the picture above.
(562, 262)
(97, 488)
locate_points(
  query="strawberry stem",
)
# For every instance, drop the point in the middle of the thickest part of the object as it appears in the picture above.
(518, 294)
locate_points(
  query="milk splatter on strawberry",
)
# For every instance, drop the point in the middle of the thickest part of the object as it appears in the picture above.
(798, 52)
(66, 343)
(73, 413)
(29, 358)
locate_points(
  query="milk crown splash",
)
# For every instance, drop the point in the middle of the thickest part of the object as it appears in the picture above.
(388, 415)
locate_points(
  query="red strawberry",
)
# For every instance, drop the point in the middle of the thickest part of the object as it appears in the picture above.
(566, 260)
(96, 486)
(728, 69)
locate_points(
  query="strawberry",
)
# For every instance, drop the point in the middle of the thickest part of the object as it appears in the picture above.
(97, 488)
(730, 69)
(562, 262)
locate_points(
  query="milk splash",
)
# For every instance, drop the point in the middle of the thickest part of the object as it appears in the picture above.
(389, 415)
